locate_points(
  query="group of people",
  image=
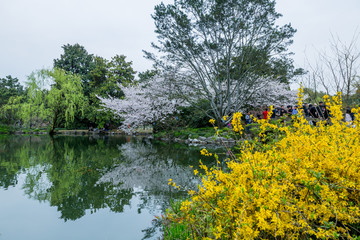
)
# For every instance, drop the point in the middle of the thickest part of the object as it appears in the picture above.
(311, 111)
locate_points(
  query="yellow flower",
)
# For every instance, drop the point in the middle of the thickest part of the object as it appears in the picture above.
(236, 122)
(225, 117)
(297, 184)
(212, 121)
(205, 152)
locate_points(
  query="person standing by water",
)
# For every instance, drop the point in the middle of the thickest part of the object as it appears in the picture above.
(289, 111)
(351, 113)
(295, 111)
(265, 113)
(312, 111)
(321, 110)
(306, 110)
(248, 121)
(325, 112)
(282, 111)
(348, 119)
(274, 113)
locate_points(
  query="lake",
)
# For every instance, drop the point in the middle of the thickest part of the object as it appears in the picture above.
(80, 187)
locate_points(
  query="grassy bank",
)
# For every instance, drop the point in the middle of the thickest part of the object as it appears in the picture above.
(6, 129)
(185, 133)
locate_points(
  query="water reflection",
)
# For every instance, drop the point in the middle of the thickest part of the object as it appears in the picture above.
(78, 175)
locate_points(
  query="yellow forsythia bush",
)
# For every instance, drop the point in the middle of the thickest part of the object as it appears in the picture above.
(307, 185)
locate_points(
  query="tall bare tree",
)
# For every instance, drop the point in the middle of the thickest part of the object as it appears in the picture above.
(337, 70)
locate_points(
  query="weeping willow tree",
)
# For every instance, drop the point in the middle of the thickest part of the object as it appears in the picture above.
(55, 97)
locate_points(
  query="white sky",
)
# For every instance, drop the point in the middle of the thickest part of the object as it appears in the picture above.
(33, 31)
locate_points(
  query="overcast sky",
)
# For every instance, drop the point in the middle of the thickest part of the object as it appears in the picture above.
(33, 31)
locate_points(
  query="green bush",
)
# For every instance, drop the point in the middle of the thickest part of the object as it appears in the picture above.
(5, 129)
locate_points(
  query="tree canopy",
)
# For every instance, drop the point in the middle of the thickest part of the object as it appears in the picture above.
(75, 59)
(100, 78)
(223, 50)
(60, 104)
(11, 94)
(9, 87)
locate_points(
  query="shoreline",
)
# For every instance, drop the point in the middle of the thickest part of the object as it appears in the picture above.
(200, 141)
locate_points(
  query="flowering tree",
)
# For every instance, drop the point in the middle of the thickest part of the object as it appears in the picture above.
(255, 91)
(223, 50)
(146, 102)
(272, 93)
(156, 99)
(305, 185)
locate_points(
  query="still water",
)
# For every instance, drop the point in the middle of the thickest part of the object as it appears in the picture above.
(89, 188)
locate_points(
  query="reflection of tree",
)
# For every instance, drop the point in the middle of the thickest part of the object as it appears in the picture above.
(146, 168)
(8, 167)
(74, 172)
(64, 171)
(14, 152)
(77, 174)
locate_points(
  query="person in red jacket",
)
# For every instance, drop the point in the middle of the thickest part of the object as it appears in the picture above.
(265, 113)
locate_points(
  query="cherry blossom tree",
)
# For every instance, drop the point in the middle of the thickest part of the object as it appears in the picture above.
(146, 102)
(255, 91)
(272, 93)
(160, 96)
(224, 50)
